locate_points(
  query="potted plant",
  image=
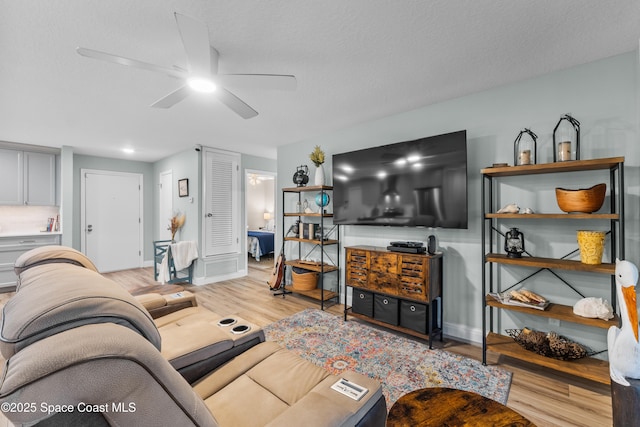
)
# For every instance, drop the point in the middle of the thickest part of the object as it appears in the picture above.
(317, 157)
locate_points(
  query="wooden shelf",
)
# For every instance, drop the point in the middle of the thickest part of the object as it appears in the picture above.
(307, 188)
(314, 293)
(553, 263)
(557, 311)
(561, 216)
(588, 367)
(436, 331)
(313, 241)
(556, 167)
(317, 267)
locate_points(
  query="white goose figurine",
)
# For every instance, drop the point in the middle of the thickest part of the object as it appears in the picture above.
(624, 349)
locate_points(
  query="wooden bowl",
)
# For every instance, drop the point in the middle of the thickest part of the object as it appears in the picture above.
(586, 200)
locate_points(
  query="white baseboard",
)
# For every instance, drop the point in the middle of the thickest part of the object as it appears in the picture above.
(463, 333)
(199, 281)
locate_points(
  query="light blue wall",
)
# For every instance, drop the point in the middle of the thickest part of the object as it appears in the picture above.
(188, 164)
(258, 163)
(185, 164)
(602, 95)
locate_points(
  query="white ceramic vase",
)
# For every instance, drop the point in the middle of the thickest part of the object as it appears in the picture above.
(319, 176)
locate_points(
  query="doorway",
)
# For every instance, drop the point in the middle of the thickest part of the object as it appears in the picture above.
(111, 219)
(260, 203)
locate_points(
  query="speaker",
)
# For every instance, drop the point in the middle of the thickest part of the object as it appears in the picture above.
(431, 244)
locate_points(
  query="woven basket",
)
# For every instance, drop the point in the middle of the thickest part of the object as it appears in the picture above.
(304, 280)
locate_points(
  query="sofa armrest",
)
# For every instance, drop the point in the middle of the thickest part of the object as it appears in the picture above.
(160, 305)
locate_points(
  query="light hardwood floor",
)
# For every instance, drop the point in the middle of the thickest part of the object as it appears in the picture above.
(546, 397)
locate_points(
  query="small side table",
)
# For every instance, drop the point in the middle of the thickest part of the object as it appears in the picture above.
(450, 407)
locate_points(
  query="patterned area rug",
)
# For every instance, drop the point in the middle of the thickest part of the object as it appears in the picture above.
(400, 364)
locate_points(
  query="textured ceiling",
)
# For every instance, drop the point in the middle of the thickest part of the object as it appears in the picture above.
(355, 61)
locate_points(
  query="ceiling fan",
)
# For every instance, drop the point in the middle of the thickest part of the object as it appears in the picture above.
(201, 74)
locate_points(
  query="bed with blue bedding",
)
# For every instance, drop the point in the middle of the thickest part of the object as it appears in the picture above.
(260, 243)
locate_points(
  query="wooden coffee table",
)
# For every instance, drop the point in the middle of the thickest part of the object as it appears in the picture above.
(450, 407)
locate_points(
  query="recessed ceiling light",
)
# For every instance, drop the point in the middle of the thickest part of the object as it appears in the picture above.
(128, 150)
(201, 85)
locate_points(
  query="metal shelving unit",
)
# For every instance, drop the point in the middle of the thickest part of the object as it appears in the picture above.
(590, 368)
(330, 238)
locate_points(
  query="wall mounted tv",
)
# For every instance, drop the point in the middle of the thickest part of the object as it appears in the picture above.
(420, 183)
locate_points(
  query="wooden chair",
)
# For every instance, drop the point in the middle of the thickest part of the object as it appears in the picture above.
(160, 248)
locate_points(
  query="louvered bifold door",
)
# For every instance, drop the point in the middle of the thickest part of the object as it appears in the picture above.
(221, 196)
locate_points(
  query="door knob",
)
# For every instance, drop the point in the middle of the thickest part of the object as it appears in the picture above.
(89, 228)
(209, 215)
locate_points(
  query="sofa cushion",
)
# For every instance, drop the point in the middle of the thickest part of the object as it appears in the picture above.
(244, 403)
(52, 254)
(281, 397)
(63, 296)
(151, 301)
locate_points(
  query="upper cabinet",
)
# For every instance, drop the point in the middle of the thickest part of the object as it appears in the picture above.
(27, 178)
(11, 177)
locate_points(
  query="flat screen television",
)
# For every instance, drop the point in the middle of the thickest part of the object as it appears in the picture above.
(419, 183)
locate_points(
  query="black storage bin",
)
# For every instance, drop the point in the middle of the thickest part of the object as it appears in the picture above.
(413, 316)
(362, 302)
(385, 309)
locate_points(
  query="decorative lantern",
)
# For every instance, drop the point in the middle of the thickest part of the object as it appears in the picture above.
(301, 177)
(514, 243)
(524, 150)
(566, 139)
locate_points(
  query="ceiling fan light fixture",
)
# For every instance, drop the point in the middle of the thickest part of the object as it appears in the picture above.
(202, 85)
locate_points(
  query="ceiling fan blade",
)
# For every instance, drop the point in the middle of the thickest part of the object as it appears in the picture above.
(103, 56)
(235, 103)
(259, 81)
(195, 38)
(173, 98)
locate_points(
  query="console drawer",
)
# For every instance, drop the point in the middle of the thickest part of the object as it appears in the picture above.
(362, 302)
(385, 309)
(385, 263)
(414, 316)
(382, 282)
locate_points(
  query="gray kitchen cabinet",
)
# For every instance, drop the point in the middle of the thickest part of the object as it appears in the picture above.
(12, 247)
(27, 178)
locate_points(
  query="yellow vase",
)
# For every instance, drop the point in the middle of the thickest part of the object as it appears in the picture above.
(591, 246)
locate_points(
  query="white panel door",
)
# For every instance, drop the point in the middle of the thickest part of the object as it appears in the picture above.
(165, 205)
(112, 219)
(221, 202)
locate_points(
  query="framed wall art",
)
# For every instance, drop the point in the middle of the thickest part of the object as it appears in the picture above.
(183, 187)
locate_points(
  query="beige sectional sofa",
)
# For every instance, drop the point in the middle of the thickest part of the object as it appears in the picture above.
(80, 349)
